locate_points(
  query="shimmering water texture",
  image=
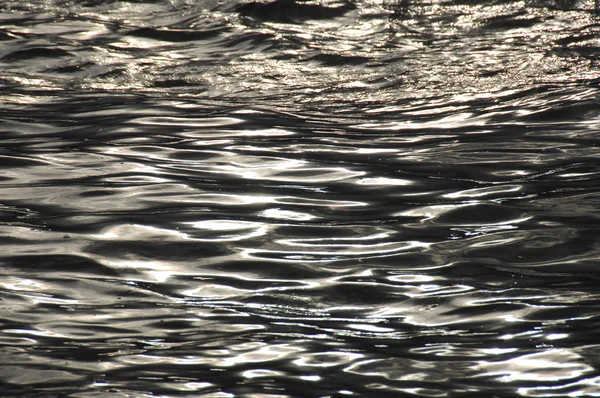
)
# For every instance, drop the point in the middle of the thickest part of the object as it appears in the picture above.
(368, 199)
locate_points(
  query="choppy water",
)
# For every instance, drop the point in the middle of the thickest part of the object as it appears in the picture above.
(370, 199)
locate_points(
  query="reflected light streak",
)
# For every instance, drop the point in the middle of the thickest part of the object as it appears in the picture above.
(291, 200)
(160, 269)
(298, 242)
(384, 181)
(22, 284)
(258, 373)
(427, 212)
(223, 225)
(308, 174)
(557, 336)
(588, 387)
(408, 278)
(378, 249)
(243, 229)
(373, 150)
(311, 378)
(229, 200)
(526, 334)
(43, 333)
(136, 42)
(172, 121)
(138, 232)
(548, 365)
(263, 354)
(195, 386)
(270, 132)
(480, 192)
(450, 122)
(370, 328)
(432, 212)
(287, 215)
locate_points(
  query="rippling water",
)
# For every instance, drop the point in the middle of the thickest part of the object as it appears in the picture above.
(371, 199)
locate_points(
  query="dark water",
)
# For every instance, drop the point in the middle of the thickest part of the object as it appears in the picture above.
(369, 199)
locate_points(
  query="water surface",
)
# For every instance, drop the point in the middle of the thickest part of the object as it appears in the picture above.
(370, 199)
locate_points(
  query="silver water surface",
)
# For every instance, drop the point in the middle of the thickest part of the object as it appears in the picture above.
(379, 198)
